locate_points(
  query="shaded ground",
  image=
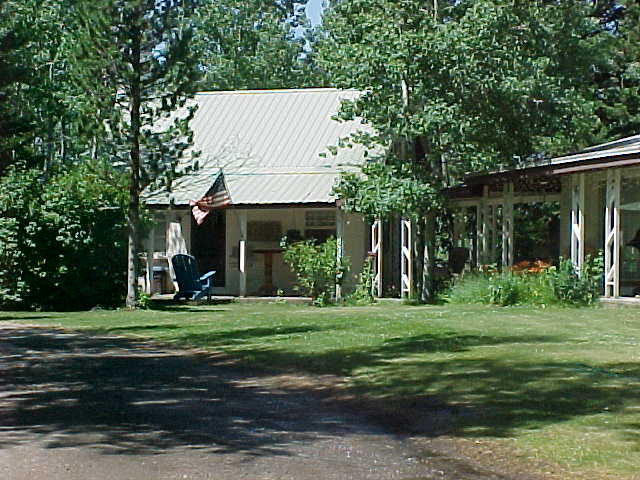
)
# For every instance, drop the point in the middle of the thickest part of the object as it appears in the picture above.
(79, 407)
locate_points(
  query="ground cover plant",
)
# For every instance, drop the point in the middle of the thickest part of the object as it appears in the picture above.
(552, 390)
(531, 283)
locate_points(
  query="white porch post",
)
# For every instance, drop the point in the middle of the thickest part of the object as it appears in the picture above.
(507, 226)
(242, 254)
(482, 225)
(493, 232)
(339, 246)
(612, 235)
(406, 258)
(150, 249)
(376, 249)
(577, 221)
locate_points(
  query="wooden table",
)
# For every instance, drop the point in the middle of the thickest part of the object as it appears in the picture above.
(267, 288)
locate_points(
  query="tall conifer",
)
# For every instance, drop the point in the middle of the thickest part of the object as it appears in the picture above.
(139, 59)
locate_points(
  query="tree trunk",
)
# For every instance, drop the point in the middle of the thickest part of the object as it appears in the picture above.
(424, 255)
(133, 214)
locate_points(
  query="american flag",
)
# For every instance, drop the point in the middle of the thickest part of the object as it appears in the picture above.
(202, 207)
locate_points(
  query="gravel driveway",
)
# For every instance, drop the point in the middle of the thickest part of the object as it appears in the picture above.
(82, 407)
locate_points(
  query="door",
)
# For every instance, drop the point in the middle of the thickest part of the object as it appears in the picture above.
(208, 245)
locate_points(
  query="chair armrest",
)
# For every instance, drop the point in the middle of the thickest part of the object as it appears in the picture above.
(207, 276)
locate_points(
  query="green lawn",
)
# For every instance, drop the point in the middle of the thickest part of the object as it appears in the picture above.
(558, 385)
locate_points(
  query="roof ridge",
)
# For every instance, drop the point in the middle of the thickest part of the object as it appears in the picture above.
(273, 91)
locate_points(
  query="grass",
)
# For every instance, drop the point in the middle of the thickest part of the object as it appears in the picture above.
(557, 385)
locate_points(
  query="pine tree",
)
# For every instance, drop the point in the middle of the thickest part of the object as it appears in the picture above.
(255, 44)
(138, 58)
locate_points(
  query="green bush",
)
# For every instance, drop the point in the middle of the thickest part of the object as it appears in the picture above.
(363, 293)
(573, 289)
(554, 285)
(62, 241)
(317, 267)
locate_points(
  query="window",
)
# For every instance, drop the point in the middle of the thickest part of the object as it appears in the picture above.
(320, 224)
(320, 218)
(264, 231)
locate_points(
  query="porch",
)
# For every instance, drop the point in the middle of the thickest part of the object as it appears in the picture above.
(598, 197)
(243, 246)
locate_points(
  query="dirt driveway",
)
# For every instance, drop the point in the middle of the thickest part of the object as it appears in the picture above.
(77, 407)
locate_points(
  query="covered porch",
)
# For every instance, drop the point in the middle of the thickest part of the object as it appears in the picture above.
(597, 193)
(242, 244)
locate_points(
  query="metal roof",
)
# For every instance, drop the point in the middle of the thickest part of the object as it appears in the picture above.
(624, 146)
(271, 145)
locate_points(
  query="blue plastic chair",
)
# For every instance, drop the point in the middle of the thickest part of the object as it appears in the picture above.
(191, 285)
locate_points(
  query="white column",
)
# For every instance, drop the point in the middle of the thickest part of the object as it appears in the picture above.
(150, 249)
(339, 246)
(482, 225)
(242, 254)
(406, 258)
(577, 221)
(612, 235)
(175, 244)
(493, 233)
(376, 249)
(507, 226)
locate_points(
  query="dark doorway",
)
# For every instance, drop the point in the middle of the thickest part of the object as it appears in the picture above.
(208, 245)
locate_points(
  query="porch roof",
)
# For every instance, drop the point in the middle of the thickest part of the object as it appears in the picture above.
(619, 153)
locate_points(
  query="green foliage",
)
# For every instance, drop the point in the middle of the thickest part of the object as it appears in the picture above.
(317, 267)
(572, 288)
(252, 44)
(618, 82)
(363, 293)
(381, 190)
(551, 286)
(62, 243)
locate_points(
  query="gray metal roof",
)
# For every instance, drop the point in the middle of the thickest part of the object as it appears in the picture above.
(624, 146)
(271, 146)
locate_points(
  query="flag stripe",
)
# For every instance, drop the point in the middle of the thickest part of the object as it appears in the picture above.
(202, 207)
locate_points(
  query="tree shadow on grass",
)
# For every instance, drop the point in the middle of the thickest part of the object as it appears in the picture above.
(451, 394)
(127, 397)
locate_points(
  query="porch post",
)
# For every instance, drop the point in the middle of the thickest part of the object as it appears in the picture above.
(577, 221)
(406, 258)
(376, 249)
(482, 226)
(242, 253)
(612, 235)
(493, 232)
(507, 226)
(150, 249)
(339, 246)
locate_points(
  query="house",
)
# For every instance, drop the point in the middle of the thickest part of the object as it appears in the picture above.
(598, 194)
(265, 171)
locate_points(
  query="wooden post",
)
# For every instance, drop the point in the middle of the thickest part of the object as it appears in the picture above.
(507, 226)
(612, 235)
(577, 221)
(406, 258)
(150, 249)
(482, 225)
(242, 254)
(376, 250)
(339, 246)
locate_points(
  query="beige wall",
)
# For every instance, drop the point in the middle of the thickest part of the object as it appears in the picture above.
(355, 235)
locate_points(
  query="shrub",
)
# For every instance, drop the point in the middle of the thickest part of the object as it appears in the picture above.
(573, 289)
(532, 284)
(316, 266)
(363, 293)
(62, 241)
